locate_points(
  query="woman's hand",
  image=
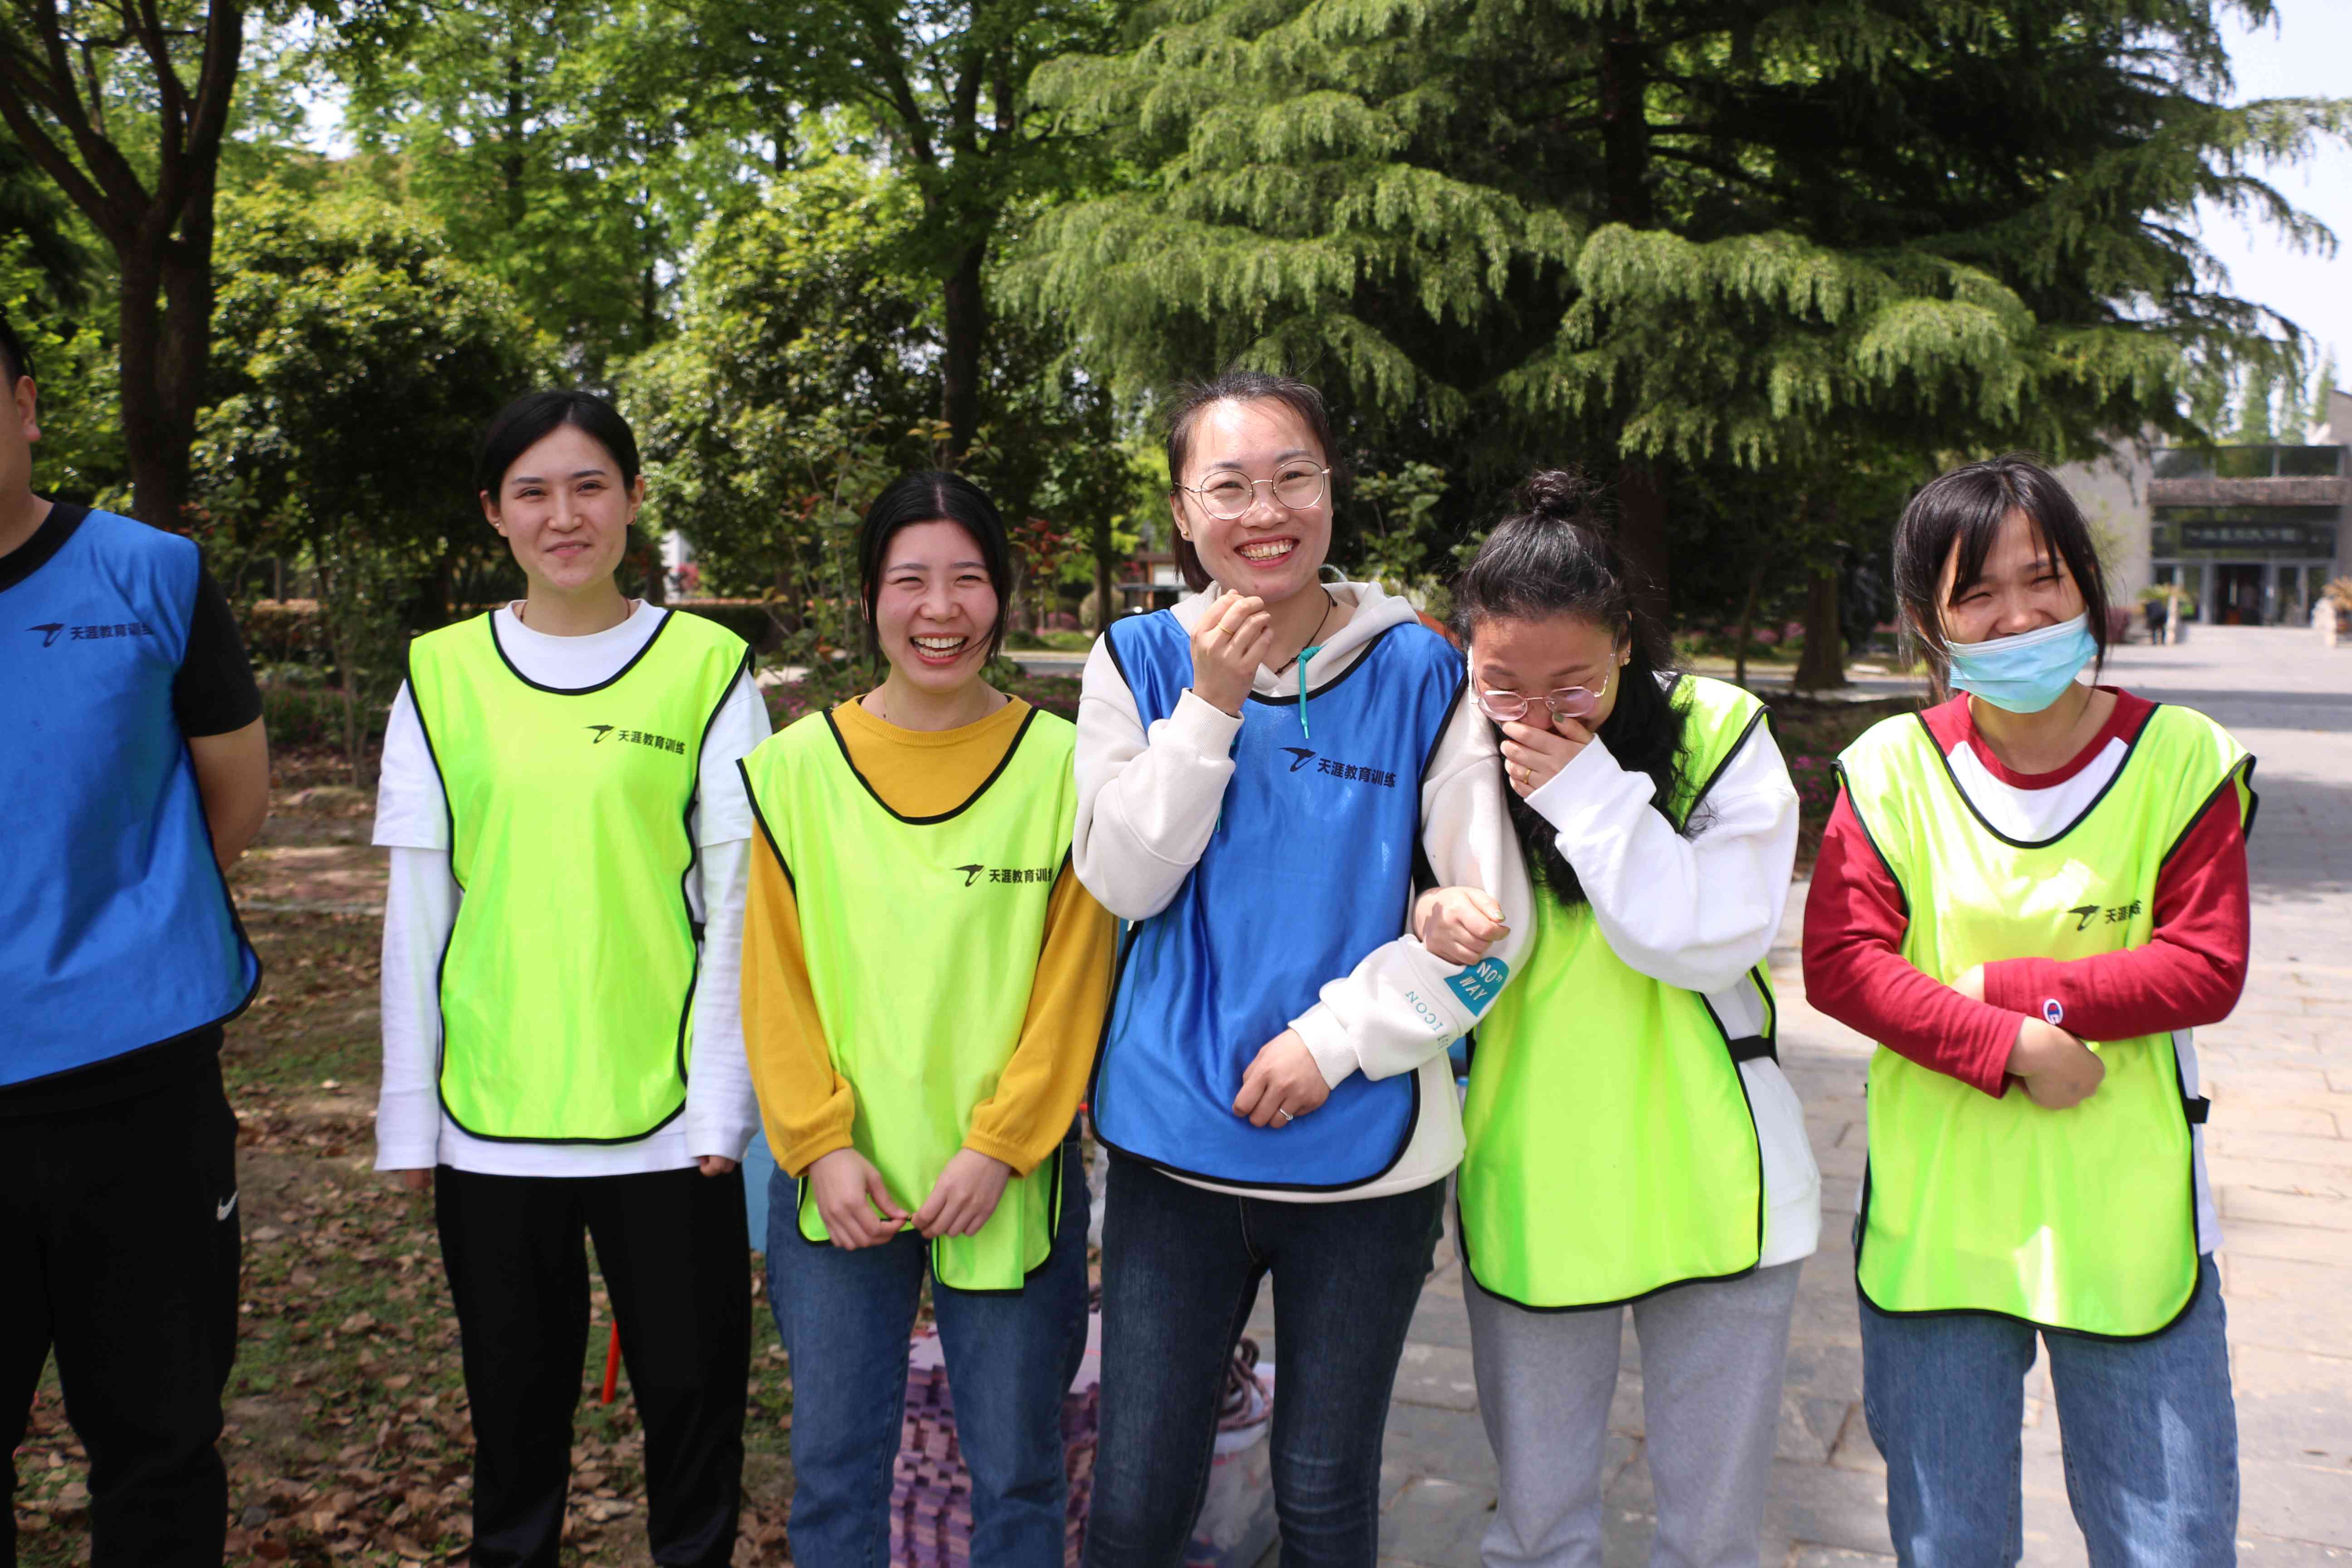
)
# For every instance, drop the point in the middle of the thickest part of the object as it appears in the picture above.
(1532, 756)
(1283, 1083)
(714, 1164)
(2059, 1070)
(967, 1193)
(415, 1181)
(849, 1190)
(1228, 645)
(1458, 924)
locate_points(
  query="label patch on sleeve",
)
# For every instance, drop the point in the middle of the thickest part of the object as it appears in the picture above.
(1480, 983)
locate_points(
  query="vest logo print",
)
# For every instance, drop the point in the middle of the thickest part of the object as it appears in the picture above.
(1005, 874)
(51, 630)
(637, 738)
(2085, 913)
(1346, 773)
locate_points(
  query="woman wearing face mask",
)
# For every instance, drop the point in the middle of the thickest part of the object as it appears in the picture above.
(1259, 770)
(924, 983)
(1631, 1062)
(562, 1054)
(2030, 895)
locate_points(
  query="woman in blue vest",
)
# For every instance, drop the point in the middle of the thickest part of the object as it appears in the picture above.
(2030, 895)
(1261, 772)
(563, 1058)
(133, 774)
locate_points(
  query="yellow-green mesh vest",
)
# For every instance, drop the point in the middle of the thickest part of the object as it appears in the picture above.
(2083, 1219)
(1611, 1151)
(922, 937)
(567, 988)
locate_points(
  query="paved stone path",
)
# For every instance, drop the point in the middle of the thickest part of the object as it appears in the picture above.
(2280, 1148)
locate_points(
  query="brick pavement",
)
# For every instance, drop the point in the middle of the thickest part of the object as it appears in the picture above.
(2279, 1146)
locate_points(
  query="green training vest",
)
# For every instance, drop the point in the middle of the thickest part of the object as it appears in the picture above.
(1611, 1151)
(567, 988)
(2083, 1219)
(923, 936)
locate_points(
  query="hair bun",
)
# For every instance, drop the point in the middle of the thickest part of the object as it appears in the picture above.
(1563, 495)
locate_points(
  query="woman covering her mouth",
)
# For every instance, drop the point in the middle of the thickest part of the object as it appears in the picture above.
(558, 794)
(1259, 772)
(924, 982)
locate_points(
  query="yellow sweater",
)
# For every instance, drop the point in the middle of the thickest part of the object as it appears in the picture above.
(807, 1106)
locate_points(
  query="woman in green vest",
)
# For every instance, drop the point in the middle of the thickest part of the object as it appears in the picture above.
(2030, 895)
(1632, 1143)
(562, 1054)
(924, 982)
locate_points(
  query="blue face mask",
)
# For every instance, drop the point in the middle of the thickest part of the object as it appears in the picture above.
(2026, 673)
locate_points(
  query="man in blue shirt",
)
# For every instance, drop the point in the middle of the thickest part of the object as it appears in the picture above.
(133, 773)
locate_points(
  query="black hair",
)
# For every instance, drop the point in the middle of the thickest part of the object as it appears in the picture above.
(1963, 511)
(1555, 556)
(1235, 386)
(521, 425)
(933, 495)
(14, 359)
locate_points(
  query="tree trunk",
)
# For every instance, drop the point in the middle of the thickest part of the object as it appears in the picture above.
(1747, 622)
(510, 159)
(1625, 124)
(1641, 535)
(967, 331)
(1104, 547)
(1823, 666)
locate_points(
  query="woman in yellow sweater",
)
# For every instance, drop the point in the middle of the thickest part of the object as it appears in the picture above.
(924, 982)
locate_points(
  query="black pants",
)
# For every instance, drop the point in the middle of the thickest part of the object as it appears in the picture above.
(120, 1246)
(676, 1256)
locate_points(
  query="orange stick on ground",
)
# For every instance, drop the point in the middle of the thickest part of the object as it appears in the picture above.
(612, 1365)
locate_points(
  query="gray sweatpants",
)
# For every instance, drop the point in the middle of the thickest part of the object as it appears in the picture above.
(1712, 1357)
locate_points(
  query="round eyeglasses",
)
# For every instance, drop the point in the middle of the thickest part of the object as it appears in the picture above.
(1568, 702)
(1227, 494)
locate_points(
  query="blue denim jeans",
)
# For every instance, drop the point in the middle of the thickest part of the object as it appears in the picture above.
(1180, 1271)
(845, 1317)
(2150, 1430)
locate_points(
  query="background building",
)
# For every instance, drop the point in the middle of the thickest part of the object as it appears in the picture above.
(2253, 533)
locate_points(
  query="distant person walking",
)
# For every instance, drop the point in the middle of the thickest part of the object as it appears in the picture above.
(564, 1056)
(134, 773)
(2155, 612)
(2030, 895)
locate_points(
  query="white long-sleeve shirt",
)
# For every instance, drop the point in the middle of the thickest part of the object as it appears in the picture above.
(421, 909)
(1148, 805)
(1699, 913)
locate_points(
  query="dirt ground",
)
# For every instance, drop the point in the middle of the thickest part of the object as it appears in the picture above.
(347, 1437)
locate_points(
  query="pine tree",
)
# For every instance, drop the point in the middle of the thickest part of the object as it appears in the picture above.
(1817, 245)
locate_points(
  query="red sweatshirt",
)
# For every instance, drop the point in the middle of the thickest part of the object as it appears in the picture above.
(2190, 971)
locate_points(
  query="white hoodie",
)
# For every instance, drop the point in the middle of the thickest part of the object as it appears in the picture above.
(1148, 804)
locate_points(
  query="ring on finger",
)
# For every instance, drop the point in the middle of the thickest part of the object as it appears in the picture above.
(1284, 1115)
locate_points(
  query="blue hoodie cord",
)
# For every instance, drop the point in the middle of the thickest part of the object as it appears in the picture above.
(1304, 655)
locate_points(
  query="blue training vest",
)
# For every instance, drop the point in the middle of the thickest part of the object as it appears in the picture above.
(116, 930)
(1311, 868)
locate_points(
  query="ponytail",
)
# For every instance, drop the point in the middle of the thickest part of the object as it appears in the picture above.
(1554, 556)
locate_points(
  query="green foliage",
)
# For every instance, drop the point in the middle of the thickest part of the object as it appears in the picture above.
(1822, 249)
(803, 377)
(354, 361)
(790, 394)
(562, 149)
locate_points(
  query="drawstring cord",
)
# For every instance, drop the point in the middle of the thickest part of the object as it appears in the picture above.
(1305, 654)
